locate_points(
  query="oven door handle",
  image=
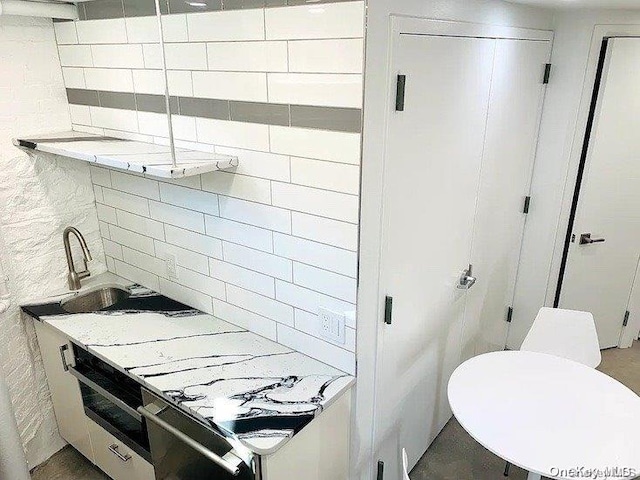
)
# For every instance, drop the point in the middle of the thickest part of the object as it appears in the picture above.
(230, 462)
(105, 393)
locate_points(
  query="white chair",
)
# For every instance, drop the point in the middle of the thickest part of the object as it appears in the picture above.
(405, 465)
(564, 333)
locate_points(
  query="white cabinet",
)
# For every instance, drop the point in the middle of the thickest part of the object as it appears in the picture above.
(64, 388)
(116, 459)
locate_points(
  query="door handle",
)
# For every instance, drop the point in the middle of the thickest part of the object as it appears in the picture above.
(585, 239)
(467, 280)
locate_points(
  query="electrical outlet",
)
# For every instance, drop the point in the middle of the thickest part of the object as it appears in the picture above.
(332, 326)
(172, 270)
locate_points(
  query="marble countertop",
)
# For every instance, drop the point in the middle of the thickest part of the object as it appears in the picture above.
(246, 386)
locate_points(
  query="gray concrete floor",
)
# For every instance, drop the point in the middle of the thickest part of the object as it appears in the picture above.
(453, 456)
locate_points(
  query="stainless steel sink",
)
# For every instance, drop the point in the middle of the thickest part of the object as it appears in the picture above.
(95, 300)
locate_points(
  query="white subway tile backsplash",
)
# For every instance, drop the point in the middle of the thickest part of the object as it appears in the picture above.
(324, 256)
(329, 90)
(114, 118)
(310, 324)
(117, 56)
(65, 33)
(186, 56)
(110, 30)
(126, 202)
(260, 164)
(184, 128)
(328, 283)
(309, 300)
(110, 79)
(143, 261)
(143, 187)
(250, 87)
(176, 216)
(142, 29)
(174, 28)
(80, 114)
(245, 319)
(148, 81)
(156, 124)
(230, 25)
(338, 206)
(240, 233)
(104, 230)
(132, 239)
(152, 56)
(106, 214)
(189, 198)
(97, 191)
(323, 145)
(180, 83)
(339, 177)
(250, 136)
(212, 247)
(186, 295)
(73, 77)
(248, 56)
(75, 55)
(326, 56)
(242, 277)
(264, 306)
(142, 225)
(202, 283)
(318, 349)
(247, 188)
(326, 20)
(264, 216)
(184, 258)
(272, 265)
(112, 249)
(137, 275)
(324, 230)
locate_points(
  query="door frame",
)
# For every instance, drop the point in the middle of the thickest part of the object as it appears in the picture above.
(400, 24)
(600, 50)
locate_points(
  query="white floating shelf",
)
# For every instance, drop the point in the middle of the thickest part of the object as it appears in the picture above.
(148, 158)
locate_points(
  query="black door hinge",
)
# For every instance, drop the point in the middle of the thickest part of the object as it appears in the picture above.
(380, 474)
(400, 89)
(509, 314)
(388, 309)
(527, 204)
(547, 73)
(627, 314)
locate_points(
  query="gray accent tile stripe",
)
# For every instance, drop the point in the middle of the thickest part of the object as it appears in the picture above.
(327, 118)
(267, 113)
(305, 116)
(100, 9)
(123, 101)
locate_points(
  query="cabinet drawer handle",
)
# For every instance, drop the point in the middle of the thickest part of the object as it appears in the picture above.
(125, 457)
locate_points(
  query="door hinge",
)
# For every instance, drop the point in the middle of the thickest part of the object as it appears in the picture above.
(627, 314)
(400, 89)
(547, 73)
(527, 204)
(380, 474)
(388, 309)
(509, 314)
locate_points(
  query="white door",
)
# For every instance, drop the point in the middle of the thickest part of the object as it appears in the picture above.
(515, 110)
(599, 276)
(431, 182)
(466, 98)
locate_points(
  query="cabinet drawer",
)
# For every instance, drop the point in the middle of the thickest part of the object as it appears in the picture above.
(116, 459)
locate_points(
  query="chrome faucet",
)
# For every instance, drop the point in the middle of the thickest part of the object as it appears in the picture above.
(75, 277)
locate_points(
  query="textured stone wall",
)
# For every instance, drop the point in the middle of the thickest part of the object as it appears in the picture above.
(39, 197)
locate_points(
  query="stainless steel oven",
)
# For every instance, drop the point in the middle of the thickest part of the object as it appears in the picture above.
(183, 448)
(111, 399)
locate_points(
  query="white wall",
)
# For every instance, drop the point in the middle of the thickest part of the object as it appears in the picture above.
(562, 133)
(377, 98)
(38, 198)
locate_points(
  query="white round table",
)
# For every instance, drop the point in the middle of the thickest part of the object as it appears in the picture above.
(548, 415)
